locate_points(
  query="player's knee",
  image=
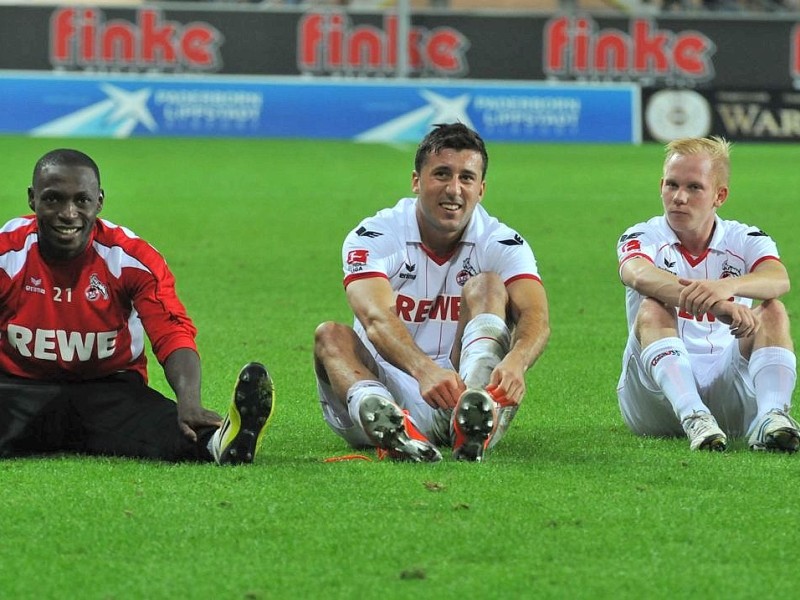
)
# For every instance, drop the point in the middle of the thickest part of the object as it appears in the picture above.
(774, 316)
(654, 315)
(326, 336)
(484, 292)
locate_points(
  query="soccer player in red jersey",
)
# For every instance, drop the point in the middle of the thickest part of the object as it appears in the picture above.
(78, 294)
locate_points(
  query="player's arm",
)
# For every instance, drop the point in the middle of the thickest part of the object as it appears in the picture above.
(172, 337)
(529, 310)
(182, 370)
(640, 274)
(373, 304)
(768, 280)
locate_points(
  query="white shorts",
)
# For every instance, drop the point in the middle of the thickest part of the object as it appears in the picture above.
(723, 382)
(435, 424)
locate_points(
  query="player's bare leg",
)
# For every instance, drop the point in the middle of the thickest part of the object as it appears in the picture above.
(342, 361)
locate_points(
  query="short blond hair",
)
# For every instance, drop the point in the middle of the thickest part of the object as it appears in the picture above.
(718, 149)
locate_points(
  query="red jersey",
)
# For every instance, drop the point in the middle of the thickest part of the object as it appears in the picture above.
(86, 318)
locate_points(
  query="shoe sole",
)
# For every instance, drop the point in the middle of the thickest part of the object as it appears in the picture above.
(474, 422)
(783, 440)
(253, 400)
(714, 443)
(384, 424)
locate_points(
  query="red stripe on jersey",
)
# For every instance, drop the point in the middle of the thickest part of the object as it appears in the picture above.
(523, 276)
(634, 255)
(762, 259)
(355, 276)
(439, 260)
(692, 260)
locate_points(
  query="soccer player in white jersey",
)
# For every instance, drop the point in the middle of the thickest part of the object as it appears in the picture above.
(700, 359)
(77, 296)
(449, 311)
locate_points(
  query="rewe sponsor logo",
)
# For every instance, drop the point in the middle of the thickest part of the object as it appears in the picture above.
(573, 46)
(81, 37)
(329, 43)
(441, 308)
(57, 344)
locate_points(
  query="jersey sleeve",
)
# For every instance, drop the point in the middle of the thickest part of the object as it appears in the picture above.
(369, 251)
(637, 242)
(758, 247)
(150, 286)
(510, 256)
(163, 315)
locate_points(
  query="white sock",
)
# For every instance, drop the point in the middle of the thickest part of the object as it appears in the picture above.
(667, 361)
(774, 372)
(485, 342)
(361, 389)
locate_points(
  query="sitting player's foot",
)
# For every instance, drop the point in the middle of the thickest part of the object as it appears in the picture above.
(238, 439)
(473, 423)
(393, 433)
(775, 431)
(703, 432)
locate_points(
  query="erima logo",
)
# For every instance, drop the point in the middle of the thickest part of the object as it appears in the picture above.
(669, 264)
(410, 268)
(35, 286)
(364, 232)
(515, 241)
(758, 233)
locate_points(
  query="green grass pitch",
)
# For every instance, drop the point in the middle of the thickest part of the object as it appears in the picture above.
(569, 505)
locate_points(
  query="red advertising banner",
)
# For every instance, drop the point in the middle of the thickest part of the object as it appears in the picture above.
(655, 52)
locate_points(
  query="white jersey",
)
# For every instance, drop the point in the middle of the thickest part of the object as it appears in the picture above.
(735, 249)
(427, 287)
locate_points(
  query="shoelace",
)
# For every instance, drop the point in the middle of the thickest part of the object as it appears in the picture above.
(498, 396)
(347, 457)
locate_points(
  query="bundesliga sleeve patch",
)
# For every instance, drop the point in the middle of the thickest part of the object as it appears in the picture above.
(630, 246)
(357, 257)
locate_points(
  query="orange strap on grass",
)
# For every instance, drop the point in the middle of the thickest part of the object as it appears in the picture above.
(347, 457)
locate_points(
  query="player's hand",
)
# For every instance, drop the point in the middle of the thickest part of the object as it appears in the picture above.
(191, 418)
(441, 388)
(699, 295)
(742, 320)
(507, 383)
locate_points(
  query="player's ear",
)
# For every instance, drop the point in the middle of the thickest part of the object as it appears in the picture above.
(722, 196)
(100, 198)
(30, 197)
(415, 182)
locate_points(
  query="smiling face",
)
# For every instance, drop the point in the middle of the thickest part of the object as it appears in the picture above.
(449, 186)
(66, 200)
(691, 195)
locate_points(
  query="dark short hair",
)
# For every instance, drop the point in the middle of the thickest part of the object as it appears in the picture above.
(453, 136)
(65, 157)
